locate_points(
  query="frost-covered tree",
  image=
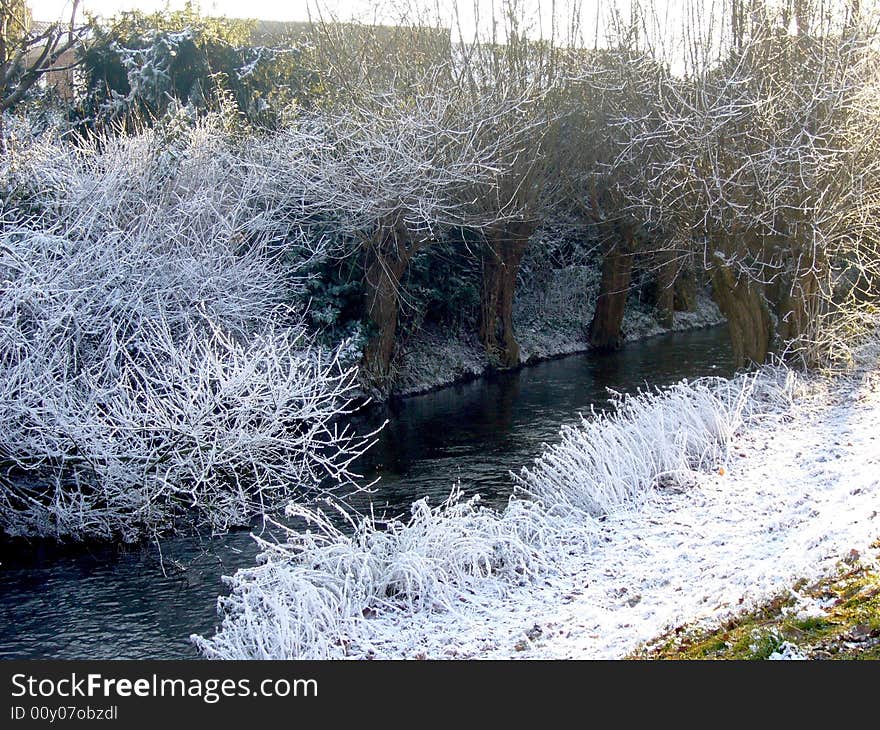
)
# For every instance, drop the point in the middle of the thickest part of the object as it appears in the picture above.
(27, 54)
(517, 79)
(606, 96)
(392, 171)
(763, 161)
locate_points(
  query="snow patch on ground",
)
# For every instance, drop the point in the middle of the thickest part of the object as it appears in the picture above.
(434, 358)
(787, 652)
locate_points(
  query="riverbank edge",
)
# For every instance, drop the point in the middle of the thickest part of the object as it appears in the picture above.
(549, 344)
(699, 547)
(432, 360)
(831, 608)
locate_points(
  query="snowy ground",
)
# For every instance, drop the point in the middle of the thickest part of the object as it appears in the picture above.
(550, 321)
(800, 489)
(800, 493)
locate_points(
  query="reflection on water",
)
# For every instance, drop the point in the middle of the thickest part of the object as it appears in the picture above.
(117, 603)
(478, 431)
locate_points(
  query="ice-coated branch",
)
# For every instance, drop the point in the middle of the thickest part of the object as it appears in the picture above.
(153, 368)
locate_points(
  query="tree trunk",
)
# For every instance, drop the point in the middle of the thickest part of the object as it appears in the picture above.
(742, 302)
(505, 249)
(617, 262)
(665, 299)
(386, 261)
(685, 291)
(800, 308)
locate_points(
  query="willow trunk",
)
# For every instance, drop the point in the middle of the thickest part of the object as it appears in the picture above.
(505, 248)
(605, 329)
(742, 302)
(386, 262)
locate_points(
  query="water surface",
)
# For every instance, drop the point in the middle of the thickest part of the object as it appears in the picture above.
(144, 603)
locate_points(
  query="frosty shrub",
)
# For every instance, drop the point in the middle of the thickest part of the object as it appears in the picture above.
(654, 437)
(151, 365)
(329, 593)
(315, 595)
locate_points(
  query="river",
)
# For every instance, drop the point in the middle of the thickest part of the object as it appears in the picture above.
(125, 603)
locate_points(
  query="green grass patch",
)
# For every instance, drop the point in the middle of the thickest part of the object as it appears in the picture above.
(846, 627)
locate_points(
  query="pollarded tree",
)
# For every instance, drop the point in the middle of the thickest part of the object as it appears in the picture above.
(389, 176)
(508, 89)
(691, 150)
(389, 152)
(754, 159)
(509, 213)
(607, 97)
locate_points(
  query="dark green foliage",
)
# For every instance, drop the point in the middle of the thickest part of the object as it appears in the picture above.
(442, 285)
(336, 296)
(442, 288)
(136, 66)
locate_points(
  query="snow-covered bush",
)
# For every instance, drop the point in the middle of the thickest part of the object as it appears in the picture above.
(315, 595)
(648, 439)
(327, 592)
(151, 365)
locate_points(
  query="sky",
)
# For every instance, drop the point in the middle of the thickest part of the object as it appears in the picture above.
(665, 23)
(265, 9)
(468, 11)
(469, 14)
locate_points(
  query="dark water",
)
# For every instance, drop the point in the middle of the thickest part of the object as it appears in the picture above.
(123, 603)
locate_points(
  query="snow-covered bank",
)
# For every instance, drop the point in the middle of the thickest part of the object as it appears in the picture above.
(800, 492)
(551, 320)
(328, 594)
(759, 481)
